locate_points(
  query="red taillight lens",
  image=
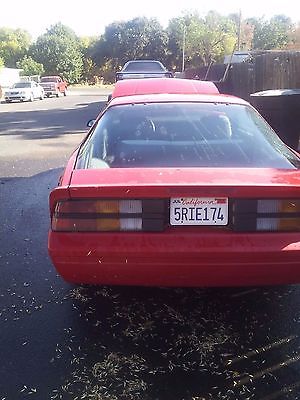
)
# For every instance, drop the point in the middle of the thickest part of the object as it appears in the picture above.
(266, 215)
(108, 215)
(85, 225)
(87, 207)
(279, 215)
(97, 215)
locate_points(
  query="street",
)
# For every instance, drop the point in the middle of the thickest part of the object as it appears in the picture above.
(61, 341)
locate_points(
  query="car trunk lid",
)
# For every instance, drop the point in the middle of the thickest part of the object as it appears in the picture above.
(160, 199)
(172, 182)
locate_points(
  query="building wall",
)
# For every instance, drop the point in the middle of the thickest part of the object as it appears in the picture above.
(9, 76)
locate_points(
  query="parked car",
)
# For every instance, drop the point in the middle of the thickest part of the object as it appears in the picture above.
(54, 85)
(178, 189)
(24, 91)
(137, 69)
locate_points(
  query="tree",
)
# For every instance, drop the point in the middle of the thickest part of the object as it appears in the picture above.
(30, 67)
(14, 44)
(273, 34)
(59, 52)
(208, 39)
(139, 38)
(176, 32)
(294, 38)
(90, 70)
(245, 29)
(155, 41)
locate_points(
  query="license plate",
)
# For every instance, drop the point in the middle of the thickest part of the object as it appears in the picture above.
(199, 211)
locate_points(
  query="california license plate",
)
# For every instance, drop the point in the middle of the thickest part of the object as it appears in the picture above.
(199, 211)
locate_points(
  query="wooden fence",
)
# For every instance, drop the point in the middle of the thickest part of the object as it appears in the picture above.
(269, 70)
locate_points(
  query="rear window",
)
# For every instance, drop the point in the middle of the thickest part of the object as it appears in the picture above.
(50, 79)
(143, 66)
(22, 85)
(184, 135)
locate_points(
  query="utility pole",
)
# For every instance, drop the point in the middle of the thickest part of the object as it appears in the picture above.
(239, 31)
(183, 48)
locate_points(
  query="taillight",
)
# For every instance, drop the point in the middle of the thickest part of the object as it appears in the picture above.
(278, 215)
(108, 215)
(267, 215)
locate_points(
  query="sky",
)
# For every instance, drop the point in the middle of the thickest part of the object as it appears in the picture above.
(89, 17)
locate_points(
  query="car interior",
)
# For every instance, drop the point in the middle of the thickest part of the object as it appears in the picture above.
(179, 139)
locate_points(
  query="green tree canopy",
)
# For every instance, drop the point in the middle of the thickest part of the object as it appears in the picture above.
(139, 38)
(60, 53)
(14, 44)
(30, 67)
(90, 69)
(205, 39)
(210, 38)
(294, 38)
(273, 34)
(176, 32)
(244, 30)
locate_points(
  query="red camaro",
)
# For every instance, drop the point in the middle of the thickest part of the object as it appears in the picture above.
(178, 189)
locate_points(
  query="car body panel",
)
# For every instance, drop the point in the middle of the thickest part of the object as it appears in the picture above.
(177, 255)
(163, 85)
(177, 98)
(262, 178)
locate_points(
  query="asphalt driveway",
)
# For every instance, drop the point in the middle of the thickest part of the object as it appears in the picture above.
(60, 341)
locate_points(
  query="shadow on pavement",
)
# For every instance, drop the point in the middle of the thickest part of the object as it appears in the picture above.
(45, 124)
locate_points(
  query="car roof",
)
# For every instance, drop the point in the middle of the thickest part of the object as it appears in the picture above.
(22, 82)
(163, 85)
(143, 62)
(177, 98)
(140, 66)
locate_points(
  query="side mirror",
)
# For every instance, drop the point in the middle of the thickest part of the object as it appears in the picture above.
(90, 123)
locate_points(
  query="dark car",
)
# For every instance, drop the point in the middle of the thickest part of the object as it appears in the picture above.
(137, 69)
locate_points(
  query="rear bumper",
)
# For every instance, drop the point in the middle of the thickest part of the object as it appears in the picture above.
(51, 92)
(17, 98)
(177, 259)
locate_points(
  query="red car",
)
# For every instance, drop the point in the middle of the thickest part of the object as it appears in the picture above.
(175, 189)
(54, 85)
